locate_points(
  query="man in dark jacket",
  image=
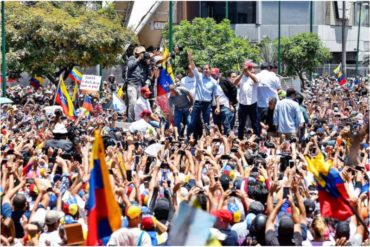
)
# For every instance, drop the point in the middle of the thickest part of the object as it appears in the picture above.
(138, 71)
(231, 92)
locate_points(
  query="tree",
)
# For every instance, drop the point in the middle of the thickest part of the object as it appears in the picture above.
(49, 38)
(303, 53)
(213, 43)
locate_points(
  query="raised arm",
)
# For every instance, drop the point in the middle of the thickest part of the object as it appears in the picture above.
(191, 61)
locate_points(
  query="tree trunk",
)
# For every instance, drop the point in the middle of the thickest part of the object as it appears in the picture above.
(300, 75)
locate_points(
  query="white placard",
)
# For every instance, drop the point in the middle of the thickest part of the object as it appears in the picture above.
(90, 83)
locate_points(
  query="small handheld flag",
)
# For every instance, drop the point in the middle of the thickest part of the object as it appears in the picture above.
(341, 77)
(37, 81)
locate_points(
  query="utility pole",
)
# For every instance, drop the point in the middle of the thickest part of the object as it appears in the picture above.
(358, 40)
(227, 9)
(170, 34)
(344, 57)
(279, 40)
(3, 50)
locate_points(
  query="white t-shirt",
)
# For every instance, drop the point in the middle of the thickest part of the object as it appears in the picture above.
(141, 105)
(223, 99)
(129, 237)
(50, 239)
(189, 83)
(248, 91)
(268, 84)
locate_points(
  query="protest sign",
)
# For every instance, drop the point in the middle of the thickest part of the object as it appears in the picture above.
(90, 84)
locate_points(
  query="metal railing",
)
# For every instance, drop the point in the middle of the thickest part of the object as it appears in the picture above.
(327, 69)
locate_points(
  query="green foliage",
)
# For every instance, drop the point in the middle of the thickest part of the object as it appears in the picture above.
(303, 53)
(47, 37)
(212, 43)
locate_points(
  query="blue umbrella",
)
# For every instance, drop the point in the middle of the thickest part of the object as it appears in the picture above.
(4, 100)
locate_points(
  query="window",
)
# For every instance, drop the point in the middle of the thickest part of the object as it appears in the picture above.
(239, 12)
(364, 14)
(295, 12)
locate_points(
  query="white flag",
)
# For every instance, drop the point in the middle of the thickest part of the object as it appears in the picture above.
(118, 104)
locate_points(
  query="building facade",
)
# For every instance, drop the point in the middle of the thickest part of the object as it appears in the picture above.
(255, 20)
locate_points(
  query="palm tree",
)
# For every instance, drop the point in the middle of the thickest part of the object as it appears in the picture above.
(366, 60)
(268, 50)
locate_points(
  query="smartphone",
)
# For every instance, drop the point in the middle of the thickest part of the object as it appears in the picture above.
(291, 163)
(129, 175)
(192, 150)
(286, 192)
(137, 159)
(216, 178)
(225, 157)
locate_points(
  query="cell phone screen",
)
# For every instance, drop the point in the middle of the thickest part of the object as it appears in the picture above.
(129, 175)
(286, 192)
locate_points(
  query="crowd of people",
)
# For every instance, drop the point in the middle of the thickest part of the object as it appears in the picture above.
(234, 144)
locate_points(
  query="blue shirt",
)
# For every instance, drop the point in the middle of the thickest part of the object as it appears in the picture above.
(205, 87)
(288, 116)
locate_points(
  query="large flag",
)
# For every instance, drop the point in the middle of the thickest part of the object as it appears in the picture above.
(104, 214)
(166, 78)
(118, 104)
(333, 196)
(37, 81)
(75, 75)
(64, 100)
(341, 77)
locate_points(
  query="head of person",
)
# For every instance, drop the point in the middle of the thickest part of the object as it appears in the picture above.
(206, 70)
(247, 66)
(272, 103)
(111, 78)
(215, 73)
(146, 115)
(223, 218)
(134, 216)
(265, 66)
(319, 229)
(299, 98)
(138, 50)
(145, 92)
(342, 230)
(291, 93)
(189, 71)
(19, 202)
(286, 230)
(173, 90)
(231, 76)
(258, 227)
(52, 219)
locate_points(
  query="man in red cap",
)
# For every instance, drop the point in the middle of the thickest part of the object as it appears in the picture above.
(248, 84)
(143, 104)
(223, 220)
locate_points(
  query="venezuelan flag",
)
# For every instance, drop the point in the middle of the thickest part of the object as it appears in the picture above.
(75, 93)
(166, 78)
(37, 81)
(104, 214)
(64, 100)
(337, 69)
(75, 75)
(333, 196)
(120, 92)
(341, 77)
(88, 104)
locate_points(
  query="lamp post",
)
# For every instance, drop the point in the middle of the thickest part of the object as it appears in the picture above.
(227, 9)
(344, 55)
(170, 34)
(311, 26)
(358, 40)
(279, 39)
(3, 50)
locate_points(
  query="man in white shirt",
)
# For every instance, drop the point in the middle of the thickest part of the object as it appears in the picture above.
(143, 104)
(51, 237)
(268, 87)
(248, 84)
(225, 115)
(188, 81)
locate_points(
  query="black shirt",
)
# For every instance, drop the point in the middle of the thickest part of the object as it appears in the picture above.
(272, 239)
(268, 118)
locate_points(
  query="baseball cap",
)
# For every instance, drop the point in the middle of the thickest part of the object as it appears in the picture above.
(223, 214)
(215, 71)
(248, 64)
(145, 112)
(148, 222)
(286, 226)
(342, 230)
(145, 90)
(162, 209)
(53, 216)
(133, 212)
(139, 49)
